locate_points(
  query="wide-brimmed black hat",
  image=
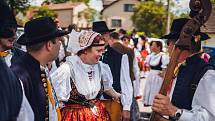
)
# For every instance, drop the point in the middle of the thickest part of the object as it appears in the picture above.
(101, 27)
(39, 30)
(176, 28)
(7, 20)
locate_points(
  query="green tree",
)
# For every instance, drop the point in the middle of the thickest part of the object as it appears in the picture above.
(63, 1)
(88, 14)
(18, 5)
(213, 1)
(150, 17)
(43, 11)
(184, 15)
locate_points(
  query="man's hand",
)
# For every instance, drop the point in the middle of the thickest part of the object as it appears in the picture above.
(163, 106)
(125, 115)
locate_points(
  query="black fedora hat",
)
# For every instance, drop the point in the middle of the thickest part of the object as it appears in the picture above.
(101, 27)
(39, 30)
(176, 28)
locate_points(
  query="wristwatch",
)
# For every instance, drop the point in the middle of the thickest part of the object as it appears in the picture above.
(177, 115)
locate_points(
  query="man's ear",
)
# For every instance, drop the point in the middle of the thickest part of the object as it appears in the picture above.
(49, 45)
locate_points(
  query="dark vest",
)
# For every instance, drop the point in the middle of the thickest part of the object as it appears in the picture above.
(28, 70)
(130, 52)
(16, 54)
(113, 59)
(187, 81)
(157, 67)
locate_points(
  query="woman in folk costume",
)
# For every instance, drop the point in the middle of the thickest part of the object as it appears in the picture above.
(157, 61)
(80, 81)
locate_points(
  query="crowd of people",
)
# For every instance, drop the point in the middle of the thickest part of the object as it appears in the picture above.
(94, 75)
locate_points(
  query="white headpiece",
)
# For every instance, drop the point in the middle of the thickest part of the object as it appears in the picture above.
(80, 40)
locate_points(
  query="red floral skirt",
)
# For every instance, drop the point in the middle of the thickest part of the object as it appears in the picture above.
(77, 112)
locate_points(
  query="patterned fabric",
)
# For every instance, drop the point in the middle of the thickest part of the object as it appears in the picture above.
(80, 40)
(78, 108)
(76, 96)
(86, 38)
(76, 112)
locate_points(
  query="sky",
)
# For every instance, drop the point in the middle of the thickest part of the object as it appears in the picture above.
(181, 5)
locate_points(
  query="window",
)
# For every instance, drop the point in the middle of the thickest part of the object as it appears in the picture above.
(129, 7)
(116, 23)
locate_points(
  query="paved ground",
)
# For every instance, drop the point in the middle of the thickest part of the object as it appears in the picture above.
(145, 111)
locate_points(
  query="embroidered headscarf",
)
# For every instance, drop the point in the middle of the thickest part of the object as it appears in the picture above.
(80, 40)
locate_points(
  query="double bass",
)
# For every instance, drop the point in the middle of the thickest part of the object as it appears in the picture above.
(202, 10)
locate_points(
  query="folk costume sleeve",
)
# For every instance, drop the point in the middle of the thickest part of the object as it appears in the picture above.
(107, 79)
(136, 82)
(203, 106)
(107, 76)
(61, 82)
(165, 61)
(126, 84)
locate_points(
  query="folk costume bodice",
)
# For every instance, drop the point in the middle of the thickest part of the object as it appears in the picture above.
(77, 81)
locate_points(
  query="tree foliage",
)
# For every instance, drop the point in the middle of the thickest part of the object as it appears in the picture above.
(184, 15)
(43, 11)
(63, 1)
(150, 17)
(213, 1)
(88, 14)
(18, 5)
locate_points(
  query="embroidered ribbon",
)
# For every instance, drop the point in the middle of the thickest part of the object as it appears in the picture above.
(52, 100)
(49, 91)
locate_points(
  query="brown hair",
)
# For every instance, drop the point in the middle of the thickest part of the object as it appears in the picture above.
(38, 46)
(158, 43)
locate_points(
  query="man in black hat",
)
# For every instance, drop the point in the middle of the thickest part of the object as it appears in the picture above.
(42, 39)
(102, 28)
(13, 103)
(192, 94)
(8, 35)
(119, 66)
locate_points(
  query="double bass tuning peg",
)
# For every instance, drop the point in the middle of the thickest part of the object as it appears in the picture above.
(195, 5)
